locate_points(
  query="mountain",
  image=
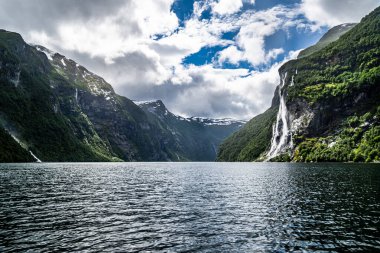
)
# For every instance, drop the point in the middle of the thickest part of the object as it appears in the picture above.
(332, 35)
(194, 139)
(326, 107)
(53, 109)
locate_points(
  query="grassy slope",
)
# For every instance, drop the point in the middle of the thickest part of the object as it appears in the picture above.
(251, 141)
(332, 35)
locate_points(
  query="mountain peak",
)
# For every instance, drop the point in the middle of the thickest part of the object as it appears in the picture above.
(330, 36)
(156, 107)
(78, 75)
(334, 33)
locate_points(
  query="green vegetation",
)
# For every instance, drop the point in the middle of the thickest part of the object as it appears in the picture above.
(251, 141)
(345, 73)
(349, 83)
(347, 65)
(358, 141)
(29, 106)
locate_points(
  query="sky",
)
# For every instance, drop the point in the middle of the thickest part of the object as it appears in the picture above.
(210, 58)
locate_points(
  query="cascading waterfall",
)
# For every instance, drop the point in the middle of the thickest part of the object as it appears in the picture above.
(76, 95)
(281, 128)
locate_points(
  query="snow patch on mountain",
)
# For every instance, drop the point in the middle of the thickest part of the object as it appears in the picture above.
(49, 54)
(158, 108)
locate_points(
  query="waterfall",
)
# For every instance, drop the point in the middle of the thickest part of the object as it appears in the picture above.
(35, 157)
(76, 94)
(23, 145)
(281, 128)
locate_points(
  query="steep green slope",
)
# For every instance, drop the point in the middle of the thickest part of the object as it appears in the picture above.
(121, 125)
(251, 141)
(26, 104)
(357, 140)
(331, 100)
(332, 35)
(63, 112)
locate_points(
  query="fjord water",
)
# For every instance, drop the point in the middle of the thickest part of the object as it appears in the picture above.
(197, 207)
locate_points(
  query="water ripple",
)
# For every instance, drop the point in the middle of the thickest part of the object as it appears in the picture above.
(189, 207)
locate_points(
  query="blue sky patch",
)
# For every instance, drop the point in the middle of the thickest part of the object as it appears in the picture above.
(291, 39)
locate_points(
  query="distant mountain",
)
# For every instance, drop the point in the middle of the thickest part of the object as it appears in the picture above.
(53, 109)
(195, 139)
(327, 106)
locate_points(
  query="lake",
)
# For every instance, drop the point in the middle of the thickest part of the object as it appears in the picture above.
(189, 207)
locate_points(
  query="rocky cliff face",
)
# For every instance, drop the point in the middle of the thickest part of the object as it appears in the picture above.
(328, 103)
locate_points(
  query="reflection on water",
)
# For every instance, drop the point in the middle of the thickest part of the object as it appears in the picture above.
(204, 207)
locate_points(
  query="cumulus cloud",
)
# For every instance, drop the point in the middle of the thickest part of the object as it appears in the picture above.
(254, 28)
(335, 12)
(236, 93)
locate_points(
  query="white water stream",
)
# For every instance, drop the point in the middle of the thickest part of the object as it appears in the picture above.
(35, 157)
(24, 146)
(76, 95)
(281, 128)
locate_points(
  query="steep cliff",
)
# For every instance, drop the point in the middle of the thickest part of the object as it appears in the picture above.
(329, 102)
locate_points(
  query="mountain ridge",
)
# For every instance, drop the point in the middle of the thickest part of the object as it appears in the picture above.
(330, 36)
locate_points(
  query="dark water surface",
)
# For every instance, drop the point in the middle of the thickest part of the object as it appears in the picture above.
(189, 207)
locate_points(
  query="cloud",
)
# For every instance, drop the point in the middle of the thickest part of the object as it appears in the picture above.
(224, 7)
(236, 93)
(335, 12)
(250, 41)
(231, 54)
(113, 35)
(208, 91)
(139, 46)
(42, 15)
